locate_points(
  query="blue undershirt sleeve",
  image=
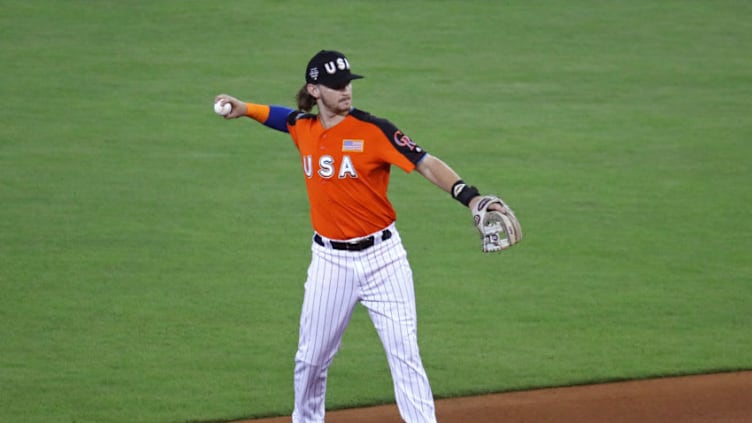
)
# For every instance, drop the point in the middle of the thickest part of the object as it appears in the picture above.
(278, 117)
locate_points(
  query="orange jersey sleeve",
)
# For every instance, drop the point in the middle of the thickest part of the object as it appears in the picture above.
(347, 169)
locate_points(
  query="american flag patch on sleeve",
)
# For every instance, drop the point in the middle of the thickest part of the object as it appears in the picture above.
(352, 145)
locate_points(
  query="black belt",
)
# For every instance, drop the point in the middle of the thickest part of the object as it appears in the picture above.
(358, 245)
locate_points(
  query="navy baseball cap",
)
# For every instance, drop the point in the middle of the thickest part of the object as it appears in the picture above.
(330, 68)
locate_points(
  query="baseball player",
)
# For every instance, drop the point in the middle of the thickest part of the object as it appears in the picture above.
(357, 255)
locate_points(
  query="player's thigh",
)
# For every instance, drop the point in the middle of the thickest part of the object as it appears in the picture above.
(329, 299)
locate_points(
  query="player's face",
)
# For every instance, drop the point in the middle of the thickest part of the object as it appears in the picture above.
(337, 100)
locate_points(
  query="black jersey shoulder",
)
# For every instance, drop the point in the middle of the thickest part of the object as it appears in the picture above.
(386, 126)
(293, 117)
(399, 140)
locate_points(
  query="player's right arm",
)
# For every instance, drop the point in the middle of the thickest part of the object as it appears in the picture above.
(272, 116)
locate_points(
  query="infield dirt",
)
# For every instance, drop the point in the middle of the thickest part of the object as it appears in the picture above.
(716, 398)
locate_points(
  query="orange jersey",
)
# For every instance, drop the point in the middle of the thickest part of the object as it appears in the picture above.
(346, 169)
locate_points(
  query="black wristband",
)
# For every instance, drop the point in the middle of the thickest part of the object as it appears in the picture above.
(463, 192)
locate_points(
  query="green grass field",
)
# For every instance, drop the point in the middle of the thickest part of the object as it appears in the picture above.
(152, 255)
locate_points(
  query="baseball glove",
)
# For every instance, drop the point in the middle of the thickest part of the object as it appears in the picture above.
(498, 230)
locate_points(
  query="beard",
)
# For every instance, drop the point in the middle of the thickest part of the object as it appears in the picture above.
(337, 106)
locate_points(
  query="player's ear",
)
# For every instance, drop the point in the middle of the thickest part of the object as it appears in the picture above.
(313, 90)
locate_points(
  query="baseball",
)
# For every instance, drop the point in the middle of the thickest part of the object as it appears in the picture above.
(222, 109)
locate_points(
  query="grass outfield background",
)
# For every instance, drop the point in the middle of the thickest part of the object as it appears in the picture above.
(152, 255)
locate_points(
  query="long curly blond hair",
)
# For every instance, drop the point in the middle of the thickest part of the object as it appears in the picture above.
(305, 100)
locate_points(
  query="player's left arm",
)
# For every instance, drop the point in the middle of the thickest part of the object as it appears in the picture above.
(444, 177)
(498, 226)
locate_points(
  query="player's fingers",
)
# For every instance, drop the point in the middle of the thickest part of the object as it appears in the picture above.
(224, 98)
(497, 207)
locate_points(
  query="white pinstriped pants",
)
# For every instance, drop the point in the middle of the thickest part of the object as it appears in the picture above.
(380, 278)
